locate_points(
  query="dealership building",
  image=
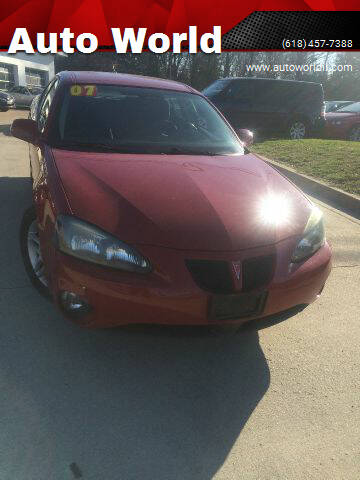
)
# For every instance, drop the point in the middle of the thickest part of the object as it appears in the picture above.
(28, 70)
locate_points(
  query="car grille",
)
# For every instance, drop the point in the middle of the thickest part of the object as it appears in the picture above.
(215, 276)
(211, 275)
(257, 272)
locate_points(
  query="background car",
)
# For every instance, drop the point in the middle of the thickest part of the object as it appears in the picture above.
(333, 105)
(23, 96)
(267, 107)
(344, 123)
(6, 102)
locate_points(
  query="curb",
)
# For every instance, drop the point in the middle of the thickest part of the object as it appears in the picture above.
(334, 196)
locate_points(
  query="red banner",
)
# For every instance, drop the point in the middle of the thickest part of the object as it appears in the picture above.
(165, 16)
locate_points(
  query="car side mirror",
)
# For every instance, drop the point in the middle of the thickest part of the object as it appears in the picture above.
(25, 129)
(245, 136)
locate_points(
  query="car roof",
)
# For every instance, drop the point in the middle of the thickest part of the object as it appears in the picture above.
(124, 79)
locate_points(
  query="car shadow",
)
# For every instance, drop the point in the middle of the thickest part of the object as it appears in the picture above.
(128, 403)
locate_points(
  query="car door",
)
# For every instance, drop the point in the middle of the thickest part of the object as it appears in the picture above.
(28, 97)
(271, 105)
(22, 97)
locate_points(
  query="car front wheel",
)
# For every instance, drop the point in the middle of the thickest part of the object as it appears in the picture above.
(297, 130)
(354, 134)
(31, 252)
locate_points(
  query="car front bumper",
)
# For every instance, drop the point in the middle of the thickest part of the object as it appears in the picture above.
(119, 298)
(337, 131)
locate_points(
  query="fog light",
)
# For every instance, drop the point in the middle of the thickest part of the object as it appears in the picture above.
(73, 304)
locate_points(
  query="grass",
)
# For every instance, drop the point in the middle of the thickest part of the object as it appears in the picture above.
(336, 162)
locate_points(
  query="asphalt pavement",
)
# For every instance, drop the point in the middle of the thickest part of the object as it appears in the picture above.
(174, 404)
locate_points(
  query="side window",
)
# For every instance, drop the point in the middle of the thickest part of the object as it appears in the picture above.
(270, 97)
(242, 90)
(44, 108)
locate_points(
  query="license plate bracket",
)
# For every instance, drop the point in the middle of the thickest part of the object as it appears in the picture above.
(234, 306)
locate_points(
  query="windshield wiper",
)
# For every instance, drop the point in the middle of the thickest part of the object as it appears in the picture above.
(184, 151)
(130, 149)
(94, 146)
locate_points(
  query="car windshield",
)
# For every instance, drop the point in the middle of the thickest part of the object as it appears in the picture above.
(329, 106)
(352, 108)
(141, 120)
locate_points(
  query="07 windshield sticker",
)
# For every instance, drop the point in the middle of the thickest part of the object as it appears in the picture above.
(83, 90)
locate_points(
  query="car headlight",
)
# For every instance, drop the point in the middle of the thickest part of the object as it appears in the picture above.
(313, 237)
(88, 242)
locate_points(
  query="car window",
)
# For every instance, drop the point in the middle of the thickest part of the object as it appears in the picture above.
(36, 91)
(352, 108)
(45, 104)
(242, 90)
(141, 120)
(273, 96)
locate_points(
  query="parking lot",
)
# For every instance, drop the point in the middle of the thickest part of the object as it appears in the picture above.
(166, 404)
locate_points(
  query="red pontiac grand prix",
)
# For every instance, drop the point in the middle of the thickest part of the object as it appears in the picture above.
(148, 208)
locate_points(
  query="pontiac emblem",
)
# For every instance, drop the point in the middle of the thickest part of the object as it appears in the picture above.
(237, 269)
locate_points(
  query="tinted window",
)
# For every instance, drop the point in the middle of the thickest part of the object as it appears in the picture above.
(286, 96)
(141, 120)
(242, 90)
(353, 108)
(36, 91)
(273, 96)
(22, 90)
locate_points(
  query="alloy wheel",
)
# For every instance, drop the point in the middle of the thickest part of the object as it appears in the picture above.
(297, 131)
(355, 134)
(34, 251)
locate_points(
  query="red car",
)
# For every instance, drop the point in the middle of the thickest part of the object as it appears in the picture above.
(344, 123)
(148, 208)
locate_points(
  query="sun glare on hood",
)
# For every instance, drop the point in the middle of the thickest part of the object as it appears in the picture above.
(274, 210)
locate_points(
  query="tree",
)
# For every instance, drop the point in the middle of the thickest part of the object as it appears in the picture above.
(199, 70)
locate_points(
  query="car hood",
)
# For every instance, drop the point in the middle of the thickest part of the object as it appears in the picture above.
(183, 202)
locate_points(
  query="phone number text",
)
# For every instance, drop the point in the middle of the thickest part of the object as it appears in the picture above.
(302, 44)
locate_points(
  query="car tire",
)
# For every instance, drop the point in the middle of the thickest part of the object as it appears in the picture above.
(30, 250)
(297, 130)
(354, 134)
